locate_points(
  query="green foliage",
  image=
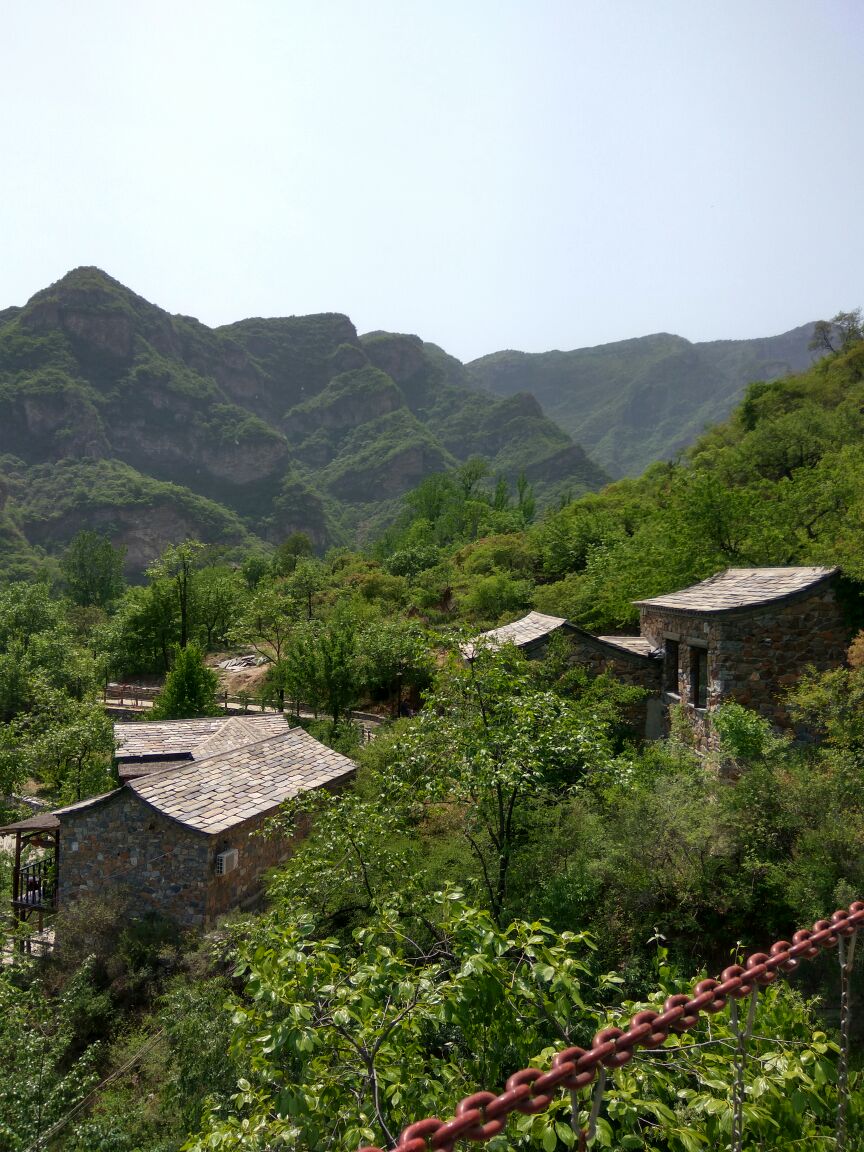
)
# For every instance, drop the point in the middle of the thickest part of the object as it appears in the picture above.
(43, 1072)
(383, 1020)
(93, 569)
(190, 688)
(493, 745)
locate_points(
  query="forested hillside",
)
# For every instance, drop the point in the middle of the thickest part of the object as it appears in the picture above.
(513, 869)
(118, 417)
(637, 401)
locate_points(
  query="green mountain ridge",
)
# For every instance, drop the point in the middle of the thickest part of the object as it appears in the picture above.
(636, 401)
(110, 406)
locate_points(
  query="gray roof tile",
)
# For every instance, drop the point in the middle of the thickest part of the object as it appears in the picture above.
(740, 588)
(234, 785)
(519, 632)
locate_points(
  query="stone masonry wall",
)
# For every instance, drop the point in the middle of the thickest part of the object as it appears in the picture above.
(634, 671)
(123, 846)
(755, 655)
(256, 855)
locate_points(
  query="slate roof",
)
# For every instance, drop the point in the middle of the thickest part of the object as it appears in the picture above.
(738, 588)
(638, 645)
(164, 737)
(240, 730)
(519, 632)
(42, 820)
(185, 738)
(225, 789)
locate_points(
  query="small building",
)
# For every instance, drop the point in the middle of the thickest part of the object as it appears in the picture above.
(746, 635)
(530, 634)
(180, 841)
(743, 635)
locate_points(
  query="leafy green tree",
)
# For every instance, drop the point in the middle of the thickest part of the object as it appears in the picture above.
(177, 565)
(285, 558)
(268, 619)
(493, 745)
(190, 688)
(838, 334)
(69, 745)
(493, 596)
(379, 1024)
(93, 569)
(393, 656)
(343, 1046)
(42, 1069)
(306, 579)
(141, 635)
(219, 595)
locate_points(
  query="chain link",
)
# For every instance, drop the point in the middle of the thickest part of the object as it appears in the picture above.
(531, 1090)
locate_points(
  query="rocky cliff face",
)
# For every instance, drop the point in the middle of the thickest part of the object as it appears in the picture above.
(116, 415)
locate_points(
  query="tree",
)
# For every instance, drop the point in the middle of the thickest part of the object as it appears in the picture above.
(269, 617)
(838, 334)
(291, 549)
(527, 504)
(218, 603)
(190, 688)
(393, 656)
(143, 631)
(307, 578)
(347, 1045)
(69, 744)
(177, 564)
(397, 1026)
(42, 1068)
(492, 745)
(93, 569)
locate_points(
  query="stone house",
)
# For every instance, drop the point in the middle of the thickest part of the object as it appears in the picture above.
(180, 839)
(744, 635)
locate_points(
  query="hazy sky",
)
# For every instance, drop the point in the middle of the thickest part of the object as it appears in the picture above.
(487, 173)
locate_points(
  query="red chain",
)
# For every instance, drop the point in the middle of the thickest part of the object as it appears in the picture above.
(481, 1116)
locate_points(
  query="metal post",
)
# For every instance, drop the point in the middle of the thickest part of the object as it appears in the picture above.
(847, 959)
(742, 1037)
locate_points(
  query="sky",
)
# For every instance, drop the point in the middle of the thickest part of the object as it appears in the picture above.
(489, 174)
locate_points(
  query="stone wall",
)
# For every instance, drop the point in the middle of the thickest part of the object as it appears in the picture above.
(122, 846)
(754, 655)
(257, 854)
(631, 669)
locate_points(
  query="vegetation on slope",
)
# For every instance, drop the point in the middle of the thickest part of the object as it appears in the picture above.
(637, 401)
(511, 869)
(91, 372)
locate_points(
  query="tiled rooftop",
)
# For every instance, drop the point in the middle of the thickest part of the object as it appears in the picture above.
(213, 795)
(181, 738)
(636, 644)
(740, 588)
(519, 632)
(240, 730)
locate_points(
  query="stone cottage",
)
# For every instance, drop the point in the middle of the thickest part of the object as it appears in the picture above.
(180, 840)
(745, 634)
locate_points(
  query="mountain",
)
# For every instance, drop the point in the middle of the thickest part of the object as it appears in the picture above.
(117, 416)
(636, 401)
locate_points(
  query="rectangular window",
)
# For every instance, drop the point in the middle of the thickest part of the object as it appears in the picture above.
(670, 667)
(699, 677)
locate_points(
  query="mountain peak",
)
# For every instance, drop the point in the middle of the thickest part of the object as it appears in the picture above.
(90, 284)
